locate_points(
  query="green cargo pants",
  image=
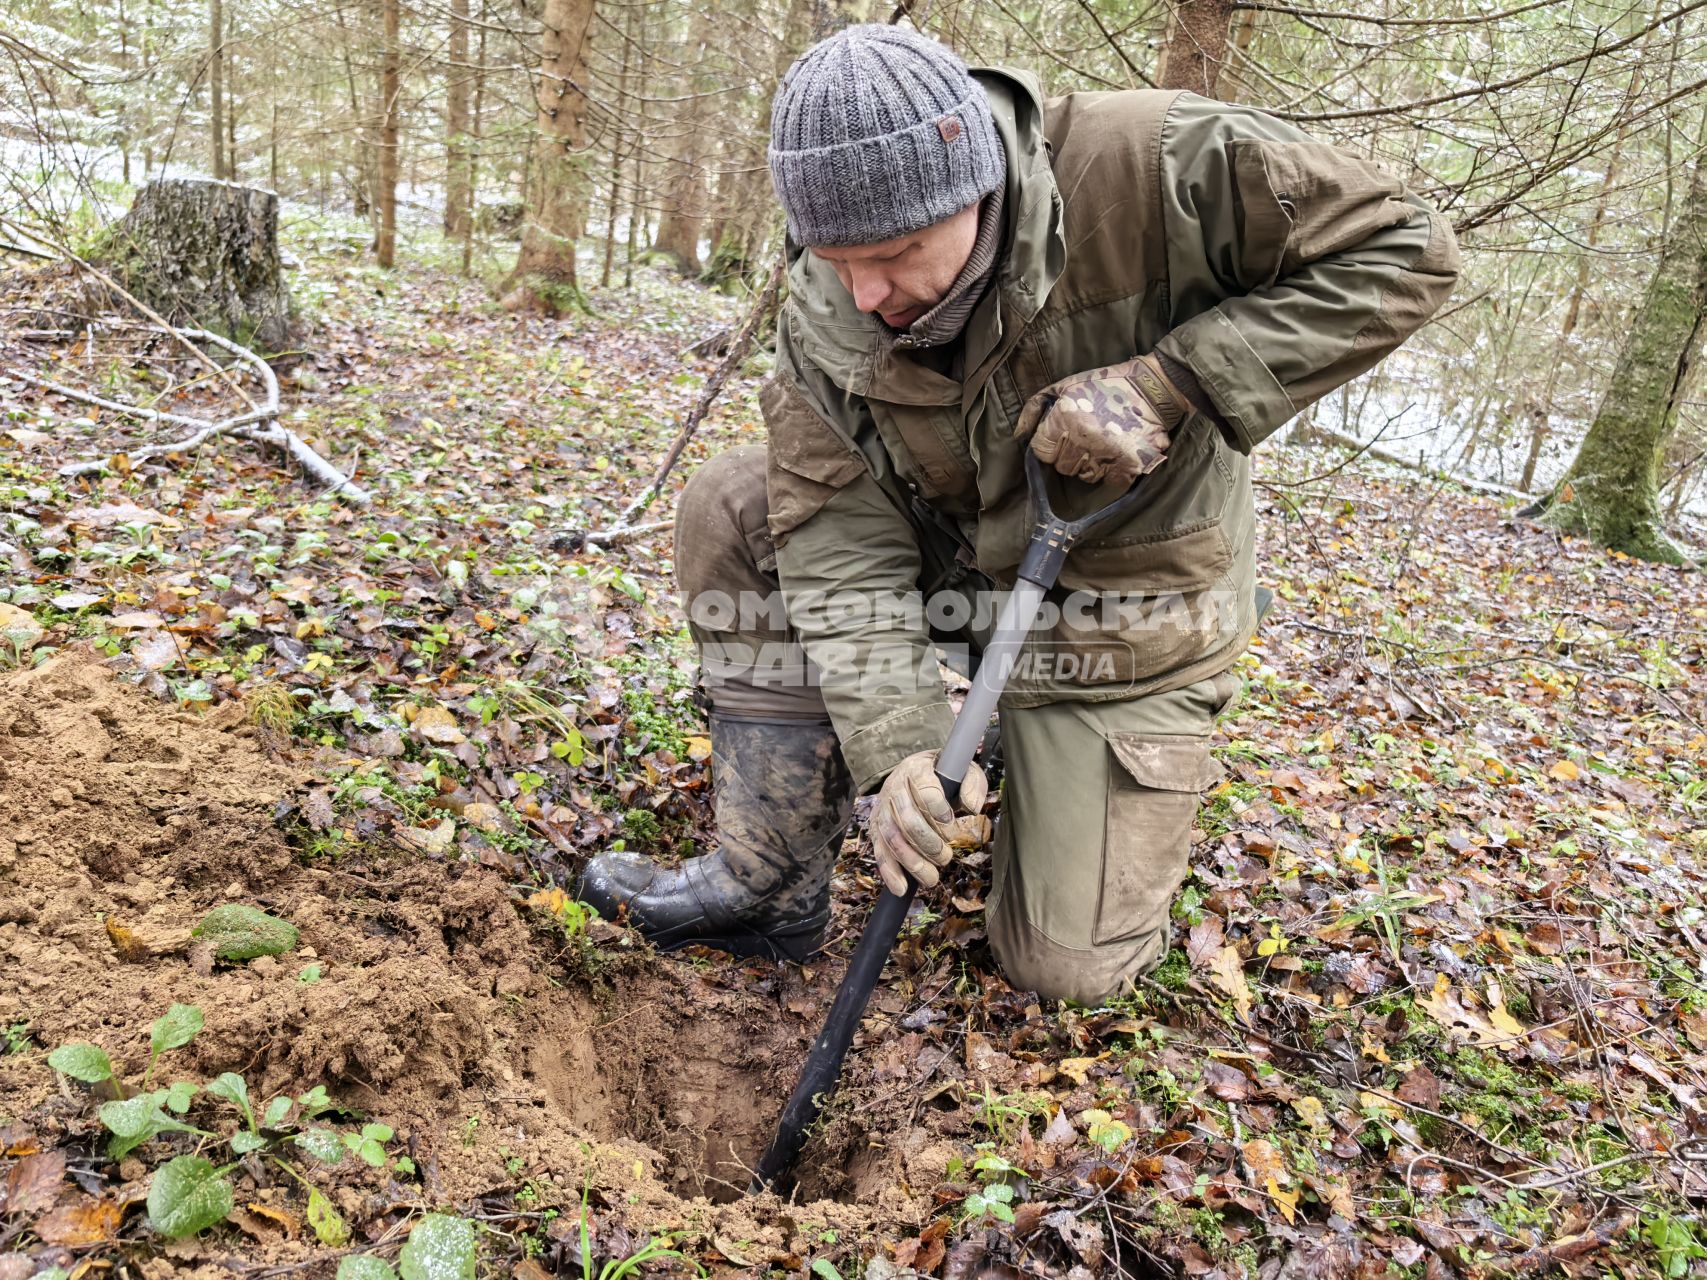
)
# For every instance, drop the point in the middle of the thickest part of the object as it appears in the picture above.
(1097, 805)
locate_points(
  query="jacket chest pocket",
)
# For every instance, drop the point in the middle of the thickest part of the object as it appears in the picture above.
(928, 446)
(1027, 371)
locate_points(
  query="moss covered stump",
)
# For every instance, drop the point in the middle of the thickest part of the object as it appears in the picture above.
(205, 255)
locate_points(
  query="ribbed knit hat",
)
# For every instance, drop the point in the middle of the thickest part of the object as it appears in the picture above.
(877, 132)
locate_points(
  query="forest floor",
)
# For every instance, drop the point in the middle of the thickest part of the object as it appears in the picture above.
(1437, 1004)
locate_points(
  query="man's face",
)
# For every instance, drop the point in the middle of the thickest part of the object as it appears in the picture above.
(903, 278)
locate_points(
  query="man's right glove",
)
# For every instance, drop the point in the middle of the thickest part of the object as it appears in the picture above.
(1109, 424)
(914, 828)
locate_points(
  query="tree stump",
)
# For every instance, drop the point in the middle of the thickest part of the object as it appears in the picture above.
(206, 255)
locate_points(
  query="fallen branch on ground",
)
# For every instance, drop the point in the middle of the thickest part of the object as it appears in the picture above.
(1412, 464)
(597, 541)
(623, 530)
(260, 423)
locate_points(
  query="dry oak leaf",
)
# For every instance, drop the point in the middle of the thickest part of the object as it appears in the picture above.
(1225, 1082)
(1446, 1006)
(430, 840)
(289, 1222)
(1420, 1088)
(154, 650)
(33, 1184)
(19, 627)
(1227, 971)
(17, 1140)
(1076, 1069)
(84, 1220)
(1333, 1192)
(1314, 1115)
(437, 724)
(1204, 940)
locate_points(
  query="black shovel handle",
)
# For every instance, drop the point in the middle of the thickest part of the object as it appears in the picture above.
(1051, 539)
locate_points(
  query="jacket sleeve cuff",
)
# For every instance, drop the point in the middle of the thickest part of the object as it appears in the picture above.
(1183, 378)
(1243, 389)
(873, 751)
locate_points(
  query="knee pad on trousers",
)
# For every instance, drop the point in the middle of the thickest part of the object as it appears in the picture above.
(722, 540)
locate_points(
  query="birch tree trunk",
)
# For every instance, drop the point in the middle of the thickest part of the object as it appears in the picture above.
(544, 277)
(1611, 492)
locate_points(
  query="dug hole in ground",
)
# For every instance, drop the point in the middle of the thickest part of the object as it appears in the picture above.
(421, 995)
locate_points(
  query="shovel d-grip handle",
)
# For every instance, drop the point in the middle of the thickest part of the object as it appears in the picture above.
(1051, 539)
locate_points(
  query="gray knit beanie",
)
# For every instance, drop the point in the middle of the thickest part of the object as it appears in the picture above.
(877, 132)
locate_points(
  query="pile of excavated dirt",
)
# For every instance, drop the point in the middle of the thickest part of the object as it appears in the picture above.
(442, 1007)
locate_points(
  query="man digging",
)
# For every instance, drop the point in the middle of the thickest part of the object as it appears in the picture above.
(1135, 284)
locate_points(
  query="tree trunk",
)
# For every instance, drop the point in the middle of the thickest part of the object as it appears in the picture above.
(683, 214)
(1611, 492)
(684, 206)
(745, 199)
(231, 170)
(457, 196)
(544, 275)
(475, 127)
(616, 151)
(1196, 47)
(1236, 86)
(1542, 418)
(122, 112)
(205, 255)
(830, 16)
(216, 86)
(389, 85)
(361, 187)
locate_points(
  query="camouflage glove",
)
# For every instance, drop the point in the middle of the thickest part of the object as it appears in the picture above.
(1108, 424)
(914, 828)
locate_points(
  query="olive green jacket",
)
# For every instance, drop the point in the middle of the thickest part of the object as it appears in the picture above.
(1274, 267)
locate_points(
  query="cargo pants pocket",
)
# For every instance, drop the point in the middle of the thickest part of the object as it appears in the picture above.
(1153, 786)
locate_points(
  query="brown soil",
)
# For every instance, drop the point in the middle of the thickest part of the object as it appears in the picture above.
(443, 1008)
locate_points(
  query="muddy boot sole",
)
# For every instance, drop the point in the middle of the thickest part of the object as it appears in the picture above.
(795, 942)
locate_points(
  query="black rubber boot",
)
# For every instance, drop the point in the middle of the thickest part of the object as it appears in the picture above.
(783, 799)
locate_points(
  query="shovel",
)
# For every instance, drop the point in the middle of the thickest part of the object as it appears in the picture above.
(1051, 539)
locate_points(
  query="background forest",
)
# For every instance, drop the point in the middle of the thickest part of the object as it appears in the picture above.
(1561, 137)
(338, 629)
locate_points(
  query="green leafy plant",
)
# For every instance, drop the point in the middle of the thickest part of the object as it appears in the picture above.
(174, 1029)
(134, 1121)
(620, 1268)
(994, 1199)
(440, 1247)
(86, 1062)
(1674, 1239)
(365, 1266)
(1005, 1114)
(191, 1193)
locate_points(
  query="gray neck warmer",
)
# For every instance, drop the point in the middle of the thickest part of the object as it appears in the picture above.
(944, 322)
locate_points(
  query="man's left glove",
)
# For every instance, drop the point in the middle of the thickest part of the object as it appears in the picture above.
(914, 829)
(1109, 424)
